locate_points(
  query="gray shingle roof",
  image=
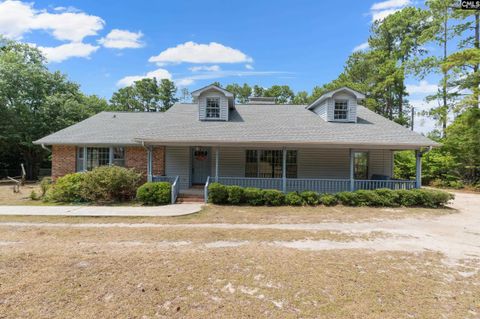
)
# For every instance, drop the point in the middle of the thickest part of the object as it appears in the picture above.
(248, 124)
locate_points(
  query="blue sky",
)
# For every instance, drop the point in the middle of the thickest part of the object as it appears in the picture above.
(104, 45)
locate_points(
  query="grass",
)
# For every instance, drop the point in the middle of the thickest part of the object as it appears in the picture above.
(100, 273)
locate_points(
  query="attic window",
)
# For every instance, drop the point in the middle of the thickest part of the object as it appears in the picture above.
(340, 112)
(213, 108)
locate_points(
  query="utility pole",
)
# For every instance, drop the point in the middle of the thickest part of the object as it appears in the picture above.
(413, 118)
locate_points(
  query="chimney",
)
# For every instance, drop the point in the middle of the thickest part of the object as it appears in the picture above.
(261, 100)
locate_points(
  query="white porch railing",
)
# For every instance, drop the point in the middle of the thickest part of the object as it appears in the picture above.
(207, 183)
(392, 184)
(264, 183)
(317, 185)
(175, 190)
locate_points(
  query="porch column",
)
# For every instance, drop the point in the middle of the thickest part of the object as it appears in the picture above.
(352, 179)
(217, 155)
(418, 167)
(284, 170)
(85, 159)
(149, 164)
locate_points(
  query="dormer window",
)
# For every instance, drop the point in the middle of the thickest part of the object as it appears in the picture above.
(340, 112)
(212, 108)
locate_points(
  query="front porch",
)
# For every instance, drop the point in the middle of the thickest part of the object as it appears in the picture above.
(289, 169)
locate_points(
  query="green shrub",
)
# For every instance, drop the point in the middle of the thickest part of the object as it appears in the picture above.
(456, 184)
(273, 197)
(310, 198)
(388, 197)
(33, 195)
(45, 184)
(293, 199)
(106, 184)
(347, 198)
(155, 193)
(408, 198)
(217, 193)
(368, 198)
(253, 196)
(235, 195)
(66, 189)
(328, 200)
(433, 198)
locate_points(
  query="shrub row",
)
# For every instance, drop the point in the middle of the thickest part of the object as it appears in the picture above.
(106, 184)
(235, 195)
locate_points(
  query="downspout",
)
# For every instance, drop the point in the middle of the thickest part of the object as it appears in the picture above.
(45, 148)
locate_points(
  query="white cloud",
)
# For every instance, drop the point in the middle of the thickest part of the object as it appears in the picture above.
(188, 80)
(122, 39)
(69, 50)
(361, 47)
(390, 4)
(158, 73)
(192, 52)
(423, 124)
(18, 18)
(213, 68)
(423, 87)
(381, 10)
(249, 67)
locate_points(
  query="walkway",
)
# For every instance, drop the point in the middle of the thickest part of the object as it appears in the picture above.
(128, 211)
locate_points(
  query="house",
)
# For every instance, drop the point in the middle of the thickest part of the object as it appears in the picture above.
(333, 144)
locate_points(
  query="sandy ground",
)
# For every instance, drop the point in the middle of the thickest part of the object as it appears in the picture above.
(410, 267)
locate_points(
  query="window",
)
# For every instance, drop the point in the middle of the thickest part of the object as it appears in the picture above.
(340, 111)
(213, 108)
(80, 157)
(269, 163)
(361, 165)
(99, 156)
(118, 156)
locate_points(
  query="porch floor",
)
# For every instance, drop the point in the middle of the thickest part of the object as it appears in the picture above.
(196, 190)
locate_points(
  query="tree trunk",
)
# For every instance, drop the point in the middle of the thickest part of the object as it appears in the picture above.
(444, 112)
(476, 89)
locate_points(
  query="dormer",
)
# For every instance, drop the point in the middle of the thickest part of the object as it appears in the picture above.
(214, 103)
(339, 105)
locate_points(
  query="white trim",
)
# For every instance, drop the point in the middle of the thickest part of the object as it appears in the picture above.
(358, 96)
(198, 92)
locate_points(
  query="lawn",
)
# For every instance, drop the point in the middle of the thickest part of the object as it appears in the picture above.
(212, 273)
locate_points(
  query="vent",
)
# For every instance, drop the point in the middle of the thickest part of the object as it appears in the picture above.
(261, 100)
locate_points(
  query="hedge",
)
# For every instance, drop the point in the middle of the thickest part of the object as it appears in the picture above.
(104, 184)
(235, 195)
(155, 193)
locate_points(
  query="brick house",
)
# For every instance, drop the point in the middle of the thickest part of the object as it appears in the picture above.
(331, 145)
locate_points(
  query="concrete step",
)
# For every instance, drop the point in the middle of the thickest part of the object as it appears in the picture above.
(190, 198)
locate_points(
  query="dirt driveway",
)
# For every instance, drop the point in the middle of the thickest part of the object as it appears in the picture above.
(413, 267)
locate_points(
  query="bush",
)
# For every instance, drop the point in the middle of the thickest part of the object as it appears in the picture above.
(33, 195)
(253, 196)
(293, 199)
(433, 198)
(217, 193)
(347, 198)
(408, 197)
(45, 185)
(328, 200)
(273, 197)
(109, 184)
(368, 198)
(155, 193)
(310, 198)
(388, 197)
(235, 195)
(66, 189)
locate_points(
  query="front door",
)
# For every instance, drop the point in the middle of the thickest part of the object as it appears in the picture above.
(200, 164)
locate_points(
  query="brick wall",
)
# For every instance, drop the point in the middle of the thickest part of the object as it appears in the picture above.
(63, 160)
(136, 158)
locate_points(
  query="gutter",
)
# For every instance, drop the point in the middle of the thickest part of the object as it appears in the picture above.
(45, 148)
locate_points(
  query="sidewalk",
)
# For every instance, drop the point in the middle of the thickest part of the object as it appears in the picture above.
(137, 211)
